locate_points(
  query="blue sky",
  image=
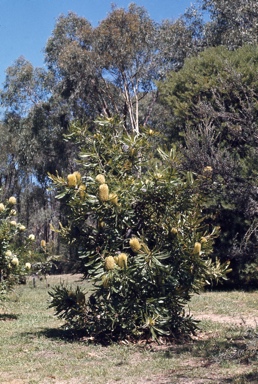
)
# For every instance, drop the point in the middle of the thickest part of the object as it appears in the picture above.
(25, 25)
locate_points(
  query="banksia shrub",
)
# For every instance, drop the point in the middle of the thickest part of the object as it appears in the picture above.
(141, 291)
(103, 192)
(14, 247)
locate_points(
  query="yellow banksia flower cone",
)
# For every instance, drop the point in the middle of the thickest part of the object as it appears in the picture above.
(173, 231)
(71, 180)
(135, 244)
(103, 192)
(203, 240)
(43, 244)
(78, 177)
(28, 266)
(197, 248)
(22, 228)
(8, 253)
(12, 200)
(122, 260)
(101, 224)
(100, 179)
(113, 198)
(105, 281)
(15, 261)
(208, 169)
(109, 263)
(13, 223)
(2, 207)
(82, 190)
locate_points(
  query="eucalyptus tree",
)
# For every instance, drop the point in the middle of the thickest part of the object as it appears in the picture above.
(110, 69)
(232, 23)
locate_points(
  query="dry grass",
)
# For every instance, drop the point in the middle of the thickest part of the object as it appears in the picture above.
(35, 350)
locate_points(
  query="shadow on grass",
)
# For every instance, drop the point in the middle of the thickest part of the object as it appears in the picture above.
(251, 378)
(8, 316)
(56, 334)
(221, 352)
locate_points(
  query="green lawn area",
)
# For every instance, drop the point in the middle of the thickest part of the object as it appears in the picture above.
(35, 350)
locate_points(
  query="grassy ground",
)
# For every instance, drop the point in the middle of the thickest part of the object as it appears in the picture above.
(33, 349)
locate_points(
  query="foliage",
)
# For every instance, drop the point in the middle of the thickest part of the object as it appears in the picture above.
(137, 227)
(14, 247)
(232, 24)
(214, 114)
(110, 69)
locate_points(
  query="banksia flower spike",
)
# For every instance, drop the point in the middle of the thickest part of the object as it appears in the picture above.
(28, 266)
(13, 223)
(78, 177)
(31, 237)
(109, 263)
(122, 260)
(197, 248)
(12, 200)
(71, 180)
(203, 240)
(82, 189)
(113, 198)
(43, 244)
(207, 169)
(15, 261)
(105, 281)
(135, 244)
(8, 253)
(173, 231)
(100, 179)
(2, 207)
(22, 228)
(103, 192)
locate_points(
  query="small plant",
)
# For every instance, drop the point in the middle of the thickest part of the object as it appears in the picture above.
(14, 247)
(139, 234)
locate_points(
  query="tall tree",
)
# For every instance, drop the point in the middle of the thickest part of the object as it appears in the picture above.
(214, 114)
(110, 69)
(233, 23)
